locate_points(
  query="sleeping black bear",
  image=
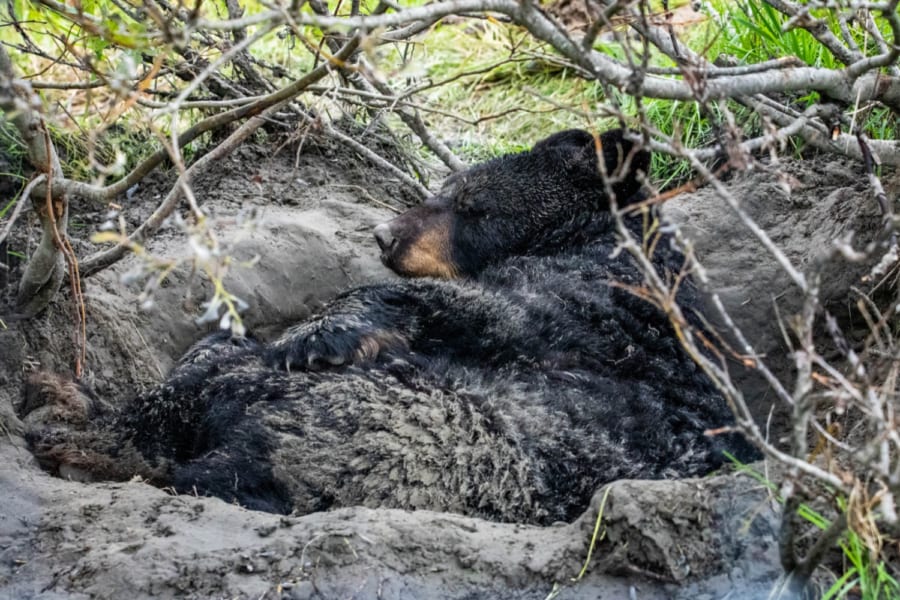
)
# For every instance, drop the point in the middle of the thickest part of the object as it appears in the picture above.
(507, 377)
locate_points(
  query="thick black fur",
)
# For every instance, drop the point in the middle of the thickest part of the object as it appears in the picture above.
(511, 394)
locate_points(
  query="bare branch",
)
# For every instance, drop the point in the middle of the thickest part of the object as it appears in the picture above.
(103, 259)
(44, 271)
(421, 190)
(800, 17)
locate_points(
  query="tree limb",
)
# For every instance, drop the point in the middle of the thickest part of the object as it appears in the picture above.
(105, 258)
(44, 269)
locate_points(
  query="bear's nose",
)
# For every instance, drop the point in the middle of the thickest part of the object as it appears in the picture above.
(384, 237)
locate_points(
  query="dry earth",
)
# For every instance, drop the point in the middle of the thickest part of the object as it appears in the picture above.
(700, 539)
(804, 207)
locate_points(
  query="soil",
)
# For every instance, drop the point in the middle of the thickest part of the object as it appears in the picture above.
(697, 538)
(804, 207)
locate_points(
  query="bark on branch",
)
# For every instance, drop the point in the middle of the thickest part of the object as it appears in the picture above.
(45, 268)
(262, 110)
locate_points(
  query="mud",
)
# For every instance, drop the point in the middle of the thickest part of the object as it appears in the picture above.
(661, 540)
(698, 539)
(804, 207)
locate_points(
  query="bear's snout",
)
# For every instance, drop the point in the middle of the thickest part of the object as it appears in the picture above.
(385, 237)
(417, 243)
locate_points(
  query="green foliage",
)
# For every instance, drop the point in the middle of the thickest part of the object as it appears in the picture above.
(866, 577)
(5, 208)
(508, 92)
(502, 91)
(104, 130)
(759, 36)
(752, 32)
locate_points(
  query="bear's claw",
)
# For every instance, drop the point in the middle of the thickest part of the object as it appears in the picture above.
(331, 341)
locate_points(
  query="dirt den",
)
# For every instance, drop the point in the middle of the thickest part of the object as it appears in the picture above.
(698, 538)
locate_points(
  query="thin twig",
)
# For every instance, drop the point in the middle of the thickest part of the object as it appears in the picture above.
(103, 259)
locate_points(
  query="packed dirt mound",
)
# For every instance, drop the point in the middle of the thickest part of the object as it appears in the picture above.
(312, 241)
(804, 207)
(694, 539)
(660, 540)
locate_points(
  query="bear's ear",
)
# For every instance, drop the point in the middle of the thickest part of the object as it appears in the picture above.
(464, 196)
(462, 192)
(619, 151)
(616, 150)
(573, 140)
(451, 187)
(573, 149)
(579, 147)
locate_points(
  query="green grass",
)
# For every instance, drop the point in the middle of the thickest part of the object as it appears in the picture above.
(119, 140)
(760, 37)
(12, 149)
(506, 91)
(752, 32)
(504, 94)
(865, 576)
(7, 207)
(510, 106)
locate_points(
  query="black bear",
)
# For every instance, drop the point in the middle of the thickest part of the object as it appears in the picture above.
(508, 378)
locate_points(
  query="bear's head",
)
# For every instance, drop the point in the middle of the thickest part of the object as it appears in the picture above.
(513, 205)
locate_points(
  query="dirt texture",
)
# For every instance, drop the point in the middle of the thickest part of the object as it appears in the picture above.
(663, 539)
(804, 207)
(698, 538)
